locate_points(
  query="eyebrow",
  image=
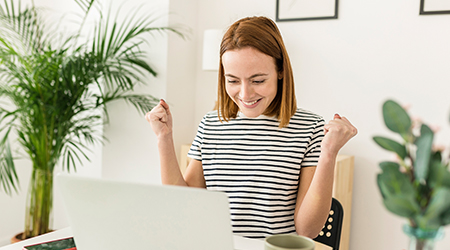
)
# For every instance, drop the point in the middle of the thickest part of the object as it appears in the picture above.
(252, 76)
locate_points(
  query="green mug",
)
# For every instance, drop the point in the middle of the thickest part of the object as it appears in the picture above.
(288, 242)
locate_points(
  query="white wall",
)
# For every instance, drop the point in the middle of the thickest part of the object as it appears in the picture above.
(130, 152)
(181, 68)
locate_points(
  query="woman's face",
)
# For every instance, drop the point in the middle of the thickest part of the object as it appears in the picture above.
(251, 79)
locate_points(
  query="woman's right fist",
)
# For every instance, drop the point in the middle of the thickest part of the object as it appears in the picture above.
(160, 119)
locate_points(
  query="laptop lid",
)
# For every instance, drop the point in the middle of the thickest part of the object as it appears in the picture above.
(114, 215)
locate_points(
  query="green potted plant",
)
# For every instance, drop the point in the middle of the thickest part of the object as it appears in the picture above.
(417, 185)
(56, 89)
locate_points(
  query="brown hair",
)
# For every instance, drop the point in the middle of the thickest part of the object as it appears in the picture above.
(262, 34)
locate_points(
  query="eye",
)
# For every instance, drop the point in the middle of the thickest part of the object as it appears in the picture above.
(259, 81)
(232, 81)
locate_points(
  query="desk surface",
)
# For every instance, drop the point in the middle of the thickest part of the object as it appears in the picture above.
(240, 243)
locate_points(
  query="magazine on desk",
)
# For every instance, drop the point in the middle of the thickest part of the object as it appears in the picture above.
(59, 244)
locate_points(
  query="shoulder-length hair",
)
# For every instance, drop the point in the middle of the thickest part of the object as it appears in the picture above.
(262, 34)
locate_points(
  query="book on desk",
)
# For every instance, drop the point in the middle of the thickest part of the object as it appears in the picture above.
(59, 244)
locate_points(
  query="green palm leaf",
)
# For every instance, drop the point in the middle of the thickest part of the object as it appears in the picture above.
(56, 89)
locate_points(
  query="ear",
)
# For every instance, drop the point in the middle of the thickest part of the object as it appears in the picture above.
(280, 75)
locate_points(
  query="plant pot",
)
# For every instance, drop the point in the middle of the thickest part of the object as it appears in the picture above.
(421, 239)
(16, 238)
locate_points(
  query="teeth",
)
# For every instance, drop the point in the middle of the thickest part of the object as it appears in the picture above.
(250, 103)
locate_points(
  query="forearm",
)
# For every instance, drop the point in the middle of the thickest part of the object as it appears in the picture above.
(314, 200)
(315, 206)
(170, 170)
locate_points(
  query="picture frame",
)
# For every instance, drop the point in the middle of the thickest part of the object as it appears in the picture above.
(434, 7)
(303, 10)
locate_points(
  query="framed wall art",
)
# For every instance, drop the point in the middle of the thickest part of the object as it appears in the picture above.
(434, 7)
(301, 10)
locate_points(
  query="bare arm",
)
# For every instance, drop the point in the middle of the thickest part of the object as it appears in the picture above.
(316, 183)
(194, 174)
(160, 119)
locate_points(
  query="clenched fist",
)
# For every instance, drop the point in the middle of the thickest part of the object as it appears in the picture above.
(337, 133)
(160, 119)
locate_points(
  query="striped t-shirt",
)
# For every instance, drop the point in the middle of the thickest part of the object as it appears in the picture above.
(258, 164)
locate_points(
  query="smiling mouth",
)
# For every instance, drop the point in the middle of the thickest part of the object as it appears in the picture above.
(250, 103)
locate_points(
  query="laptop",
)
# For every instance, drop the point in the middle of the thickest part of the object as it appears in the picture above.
(114, 215)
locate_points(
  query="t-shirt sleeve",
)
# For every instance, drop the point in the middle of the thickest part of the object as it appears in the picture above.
(313, 150)
(195, 152)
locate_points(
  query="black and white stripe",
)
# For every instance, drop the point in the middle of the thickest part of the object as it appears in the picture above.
(258, 164)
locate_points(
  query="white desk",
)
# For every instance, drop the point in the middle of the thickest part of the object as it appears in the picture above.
(240, 243)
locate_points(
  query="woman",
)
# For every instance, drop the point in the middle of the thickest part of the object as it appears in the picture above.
(274, 160)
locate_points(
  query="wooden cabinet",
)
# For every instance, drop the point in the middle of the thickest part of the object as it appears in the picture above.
(342, 189)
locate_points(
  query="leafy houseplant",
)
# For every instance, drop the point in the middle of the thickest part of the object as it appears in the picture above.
(416, 187)
(56, 89)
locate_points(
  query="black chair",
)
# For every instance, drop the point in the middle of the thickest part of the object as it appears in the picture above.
(331, 232)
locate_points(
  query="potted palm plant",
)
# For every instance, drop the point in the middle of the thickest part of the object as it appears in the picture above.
(417, 185)
(57, 88)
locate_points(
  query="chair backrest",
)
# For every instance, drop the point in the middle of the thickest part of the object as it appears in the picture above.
(331, 232)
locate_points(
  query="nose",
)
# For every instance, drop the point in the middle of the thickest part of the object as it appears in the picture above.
(246, 91)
